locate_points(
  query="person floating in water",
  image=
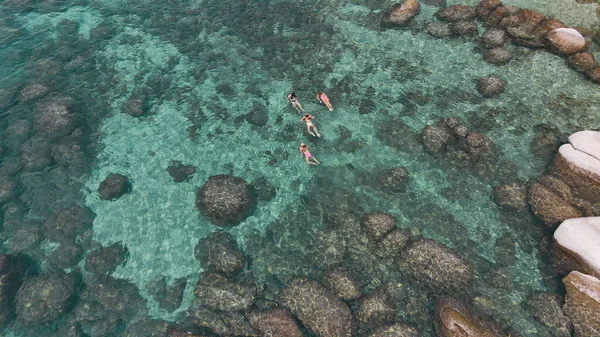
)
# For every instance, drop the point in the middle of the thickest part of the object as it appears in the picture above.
(292, 98)
(309, 125)
(322, 98)
(307, 156)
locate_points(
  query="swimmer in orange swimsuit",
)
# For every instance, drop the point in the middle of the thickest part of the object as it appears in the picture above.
(309, 125)
(322, 98)
(292, 98)
(307, 155)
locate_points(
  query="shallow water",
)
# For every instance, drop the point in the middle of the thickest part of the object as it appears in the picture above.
(201, 64)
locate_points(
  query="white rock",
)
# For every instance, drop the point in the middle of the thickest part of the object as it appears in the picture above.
(581, 238)
(567, 40)
(581, 160)
(587, 142)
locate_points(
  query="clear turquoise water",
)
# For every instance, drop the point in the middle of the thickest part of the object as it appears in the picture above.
(182, 53)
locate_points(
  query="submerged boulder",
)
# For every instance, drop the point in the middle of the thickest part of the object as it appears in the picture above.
(66, 224)
(219, 293)
(394, 180)
(456, 13)
(546, 309)
(377, 224)
(498, 56)
(400, 14)
(376, 308)
(582, 61)
(226, 200)
(436, 138)
(218, 253)
(511, 197)
(576, 242)
(180, 172)
(438, 268)
(582, 303)
(277, 322)
(342, 283)
(13, 270)
(494, 37)
(491, 86)
(46, 297)
(317, 308)
(105, 260)
(54, 118)
(551, 208)
(454, 319)
(114, 186)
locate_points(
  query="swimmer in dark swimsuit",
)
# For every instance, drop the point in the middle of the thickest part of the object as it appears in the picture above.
(309, 125)
(307, 155)
(292, 98)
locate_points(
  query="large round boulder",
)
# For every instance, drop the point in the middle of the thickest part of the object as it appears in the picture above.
(218, 253)
(54, 118)
(439, 29)
(377, 225)
(342, 283)
(582, 303)
(105, 260)
(491, 86)
(219, 293)
(393, 243)
(511, 197)
(436, 138)
(498, 56)
(66, 224)
(317, 308)
(400, 14)
(550, 207)
(46, 297)
(438, 268)
(376, 308)
(226, 200)
(567, 40)
(576, 244)
(464, 28)
(493, 37)
(277, 322)
(582, 61)
(456, 13)
(114, 186)
(485, 7)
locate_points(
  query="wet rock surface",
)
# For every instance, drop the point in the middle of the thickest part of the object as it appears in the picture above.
(105, 260)
(546, 308)
(317, 308)
(400, 14)
(491, 86)
(67, 223)
(218, 253)
(582, 303)
(114, 186)
(274, 323)
(225, 200)
(377, 224)
(46, 298)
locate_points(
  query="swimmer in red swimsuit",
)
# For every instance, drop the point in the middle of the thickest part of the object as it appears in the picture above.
(309, 125)
(322, 98)
(307, 155)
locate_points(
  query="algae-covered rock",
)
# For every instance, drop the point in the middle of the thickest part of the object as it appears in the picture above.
(377, 224)
(329, 248)
(219, 293)
(400, 14)
(226, 200)
(454, 319)
(456, 13)
(317, 308)
(218, 253)
(342, 283)
(46, 297)
(277, 322)
(546, 309)
(114, 186)
(582, 303)
(438, 268)
(376, 308)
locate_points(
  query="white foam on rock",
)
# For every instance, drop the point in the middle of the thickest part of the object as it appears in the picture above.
(581, 236)
(581, 160)
(586, 141)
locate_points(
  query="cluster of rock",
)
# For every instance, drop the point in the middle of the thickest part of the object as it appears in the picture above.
(230, 301)
(460, 146)
(567, 199)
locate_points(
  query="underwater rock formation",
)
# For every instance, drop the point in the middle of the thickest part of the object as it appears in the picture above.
(511, 197)
(45, 298)
(438, 268)
(226, 200)
(264, 189)
(400, 14)
(493, 37)
(464, 28)
(440, 29)
(180, 172)
(454, 319)
(567, 40)
(491, 86)
(456, 13)
(8, 188)
(582, 303)
(13, 271)
(395, 330)
(218, 253)
(317, 308)
(277, 322)
(114, 186)
(219, 323)
(342, 283)
(219, 293)
(105, 260)
(134, 106)
(394, 180)
(329, 248)
(582, 61)
(376, 308)
(549, 199)
(576, 241)
(498, 56)
(66, 224)
(54, 118)
(393, 243)
(377, 225)
(169, 297)
(546, 309)
(67, 255)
